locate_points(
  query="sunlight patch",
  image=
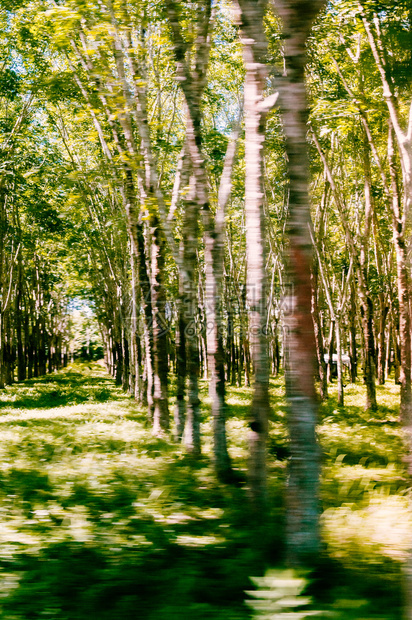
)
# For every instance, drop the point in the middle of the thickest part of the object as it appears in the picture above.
(198, 541)
(383, 528)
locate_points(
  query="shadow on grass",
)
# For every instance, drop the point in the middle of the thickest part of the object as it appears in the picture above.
(27, 485)
(169, 581)
(358, 436)
(79, 581)
(358, 592)
(188, 567)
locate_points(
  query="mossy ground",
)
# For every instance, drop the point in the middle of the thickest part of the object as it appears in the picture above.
(99, 519)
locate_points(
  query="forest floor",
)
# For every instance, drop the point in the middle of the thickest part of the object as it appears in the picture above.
(100, 519)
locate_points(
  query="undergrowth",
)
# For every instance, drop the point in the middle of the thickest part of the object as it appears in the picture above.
(100, 519)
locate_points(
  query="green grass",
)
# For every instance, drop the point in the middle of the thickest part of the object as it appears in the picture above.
(100, 519)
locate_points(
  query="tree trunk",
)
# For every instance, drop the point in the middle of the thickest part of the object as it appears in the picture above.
(369, 373)
(403, 283)
(317, 324)
(384, 310)
(214, 258)
(192, 75)
(180, 407)
(161, 362)
(353, 351)
(192, 430)
(21, 354)
(254, 50)
(303, 537)
(339, 362)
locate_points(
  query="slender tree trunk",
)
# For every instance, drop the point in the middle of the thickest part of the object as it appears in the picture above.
(214, 255)
(144, 281)
(384, 310)
(35, 346)
(119, 361)
(160, 332)
(8, 361)
(339, 362)
(396, 350)
(254, 49)
(180, 407)
(28, 342)
(126, 360)
(21, 356)
(303, 537)
(403, 283)
(367, 309)
(319, 339)
(276, 350)
(369, 354)
(244, 338)
(352, 335)
(192, 430)
(134, 327)
(42, 347)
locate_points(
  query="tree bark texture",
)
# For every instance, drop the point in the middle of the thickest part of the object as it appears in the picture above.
(303, 537)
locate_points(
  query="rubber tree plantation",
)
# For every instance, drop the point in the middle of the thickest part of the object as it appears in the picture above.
(205, 309)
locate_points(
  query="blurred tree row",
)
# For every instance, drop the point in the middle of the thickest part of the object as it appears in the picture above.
(33, 316)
